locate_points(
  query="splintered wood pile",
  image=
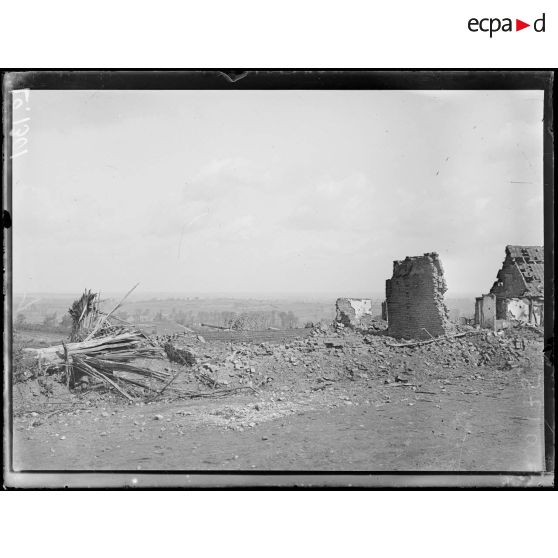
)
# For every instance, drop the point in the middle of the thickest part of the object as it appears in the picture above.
(84, 312)
(102, 349)
(104, 358)
(122, 347)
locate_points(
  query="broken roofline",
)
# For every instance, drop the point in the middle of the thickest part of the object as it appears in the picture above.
(518, 290)
(517, 251)
(528, 262)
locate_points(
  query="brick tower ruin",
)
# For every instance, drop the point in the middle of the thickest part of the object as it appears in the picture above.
(415, 298)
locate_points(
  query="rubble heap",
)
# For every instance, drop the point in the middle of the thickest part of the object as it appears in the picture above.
(415, 298)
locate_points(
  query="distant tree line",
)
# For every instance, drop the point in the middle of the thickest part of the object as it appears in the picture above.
(49, 324)
(248, 320)
(251, 320)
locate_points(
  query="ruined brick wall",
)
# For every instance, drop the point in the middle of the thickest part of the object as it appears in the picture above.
(415, 298)
(353, 311)
(384, 311)
(510, 282)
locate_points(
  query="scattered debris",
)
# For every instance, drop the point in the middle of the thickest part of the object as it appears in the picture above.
(180, 354)
(333, 343)
(432, 340)
(121, 360)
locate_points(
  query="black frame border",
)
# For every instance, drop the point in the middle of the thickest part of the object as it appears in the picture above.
(278, 79)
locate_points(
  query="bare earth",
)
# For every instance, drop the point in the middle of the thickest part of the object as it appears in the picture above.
(364, 407)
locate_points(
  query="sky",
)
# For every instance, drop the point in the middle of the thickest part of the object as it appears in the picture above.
(259, 192)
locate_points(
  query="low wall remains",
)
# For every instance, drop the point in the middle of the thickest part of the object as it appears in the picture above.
(354, 312)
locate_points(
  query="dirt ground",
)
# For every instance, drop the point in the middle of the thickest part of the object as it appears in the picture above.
(325, 400)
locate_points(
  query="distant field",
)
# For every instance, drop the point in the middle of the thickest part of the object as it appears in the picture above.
(34, 310)
(186, 310)
(43, 337)
(27, 338)
(209, 334)
(267, 336)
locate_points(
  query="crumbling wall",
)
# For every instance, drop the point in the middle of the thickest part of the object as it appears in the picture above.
(522, 273)
(415, 298)
(510, 282)
(518, 289)
(526, 310)
(354, 312)
(518, 309)
(486, 311)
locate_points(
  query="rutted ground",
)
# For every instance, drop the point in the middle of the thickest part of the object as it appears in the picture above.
(332, 400)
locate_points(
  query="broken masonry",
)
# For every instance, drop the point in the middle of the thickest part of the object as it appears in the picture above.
(517, 295)
(354, 312)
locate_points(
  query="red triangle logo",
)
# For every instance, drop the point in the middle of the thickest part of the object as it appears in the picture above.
(519, 25)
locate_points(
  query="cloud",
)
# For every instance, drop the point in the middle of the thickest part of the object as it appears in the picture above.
(274, 190)
(225, 178)
(341, 205)
(481, 205)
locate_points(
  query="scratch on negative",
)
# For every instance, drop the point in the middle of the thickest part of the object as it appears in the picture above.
(461, 450)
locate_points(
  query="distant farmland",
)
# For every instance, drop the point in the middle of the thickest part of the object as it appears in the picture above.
(50, 310)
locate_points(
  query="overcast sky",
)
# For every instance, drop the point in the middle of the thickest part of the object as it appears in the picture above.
(273, 191)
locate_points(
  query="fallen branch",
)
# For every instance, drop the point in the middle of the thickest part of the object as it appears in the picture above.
(215, 393)
(434, 340)
(90, 371)
(157, 394)
(399, 384)
(125, 346)
(187, 329)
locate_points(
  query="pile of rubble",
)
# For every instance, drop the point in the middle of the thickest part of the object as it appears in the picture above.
(338, 351)
(331, 348)
(106, 351)
(185, 365)
(478, 349)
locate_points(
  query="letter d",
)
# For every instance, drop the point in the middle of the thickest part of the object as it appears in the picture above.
(535, 25)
